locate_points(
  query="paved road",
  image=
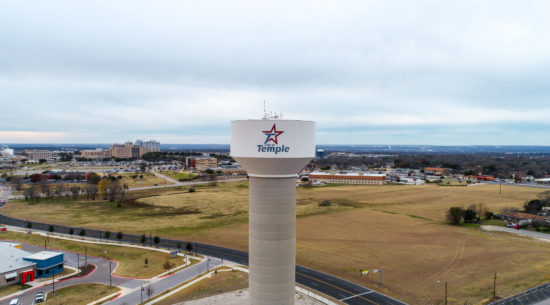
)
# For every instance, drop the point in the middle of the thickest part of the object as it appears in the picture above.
(526, 233)
(340, 289)
(535, 296)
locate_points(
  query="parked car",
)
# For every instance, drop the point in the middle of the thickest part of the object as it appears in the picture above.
(15, 302)
(39, 298)
(510, 225)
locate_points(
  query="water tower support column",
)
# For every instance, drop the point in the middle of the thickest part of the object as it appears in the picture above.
(272, 240)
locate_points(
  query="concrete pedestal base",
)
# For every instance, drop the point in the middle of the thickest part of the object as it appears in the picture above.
(272, 241)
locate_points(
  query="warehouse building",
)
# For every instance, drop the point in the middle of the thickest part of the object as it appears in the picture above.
(13, 267)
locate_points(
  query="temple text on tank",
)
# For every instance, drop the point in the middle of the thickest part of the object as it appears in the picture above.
(271, 136)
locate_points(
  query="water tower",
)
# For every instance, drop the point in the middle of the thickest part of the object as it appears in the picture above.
(272, 151)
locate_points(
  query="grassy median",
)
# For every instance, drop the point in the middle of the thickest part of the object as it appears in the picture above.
(132, 260)
(80, 294)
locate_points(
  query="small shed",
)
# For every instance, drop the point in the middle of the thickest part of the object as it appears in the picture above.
(47, 263)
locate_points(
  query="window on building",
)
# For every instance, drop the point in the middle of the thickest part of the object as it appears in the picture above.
(60, 266)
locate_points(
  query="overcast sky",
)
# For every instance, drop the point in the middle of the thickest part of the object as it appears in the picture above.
(368, 72)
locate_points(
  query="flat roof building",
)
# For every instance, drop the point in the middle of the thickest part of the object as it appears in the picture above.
(13, 268)
(348, 178)
(47, 263)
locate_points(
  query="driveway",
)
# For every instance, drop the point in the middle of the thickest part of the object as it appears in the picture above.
(533, 234)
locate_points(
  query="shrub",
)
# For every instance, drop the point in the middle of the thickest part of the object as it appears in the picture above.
(470, 216)
(192, 189)
(107, 234)
(454, 215)
(119, 235)
(325, 203)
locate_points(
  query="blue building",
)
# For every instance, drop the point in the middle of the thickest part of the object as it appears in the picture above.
(47, 263)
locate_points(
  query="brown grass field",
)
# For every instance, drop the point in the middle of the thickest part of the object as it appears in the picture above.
(224, 281)
(80, 294)
(398, 228)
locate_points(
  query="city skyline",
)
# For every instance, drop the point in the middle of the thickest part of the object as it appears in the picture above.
(368, 72)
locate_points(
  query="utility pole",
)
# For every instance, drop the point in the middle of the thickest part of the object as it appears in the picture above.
(141, 290)
(380, 281)
(110, 280)
(85, 255)
(78, 263)
(53, 284)
(445, 293)
(495, 286)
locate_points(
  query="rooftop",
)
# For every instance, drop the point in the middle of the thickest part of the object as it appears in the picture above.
(43, 255)
(348, 174)
(12, 258)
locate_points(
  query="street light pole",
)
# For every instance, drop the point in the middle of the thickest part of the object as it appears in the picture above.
(380, 280)
(110, 281)
(78, 263)
(495, 286)
(85, 255)
(53, 284)
(141, 291)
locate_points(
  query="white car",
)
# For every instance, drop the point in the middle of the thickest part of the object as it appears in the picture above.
(15, 302)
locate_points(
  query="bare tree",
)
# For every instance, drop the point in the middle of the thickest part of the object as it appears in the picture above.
(75, 191)
(17, 182)
(114, 190)
(149, 290)
(60, 191)
(91, 191)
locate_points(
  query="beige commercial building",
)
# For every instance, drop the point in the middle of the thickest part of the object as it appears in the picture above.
(98, 153)
(129, 150)
(351, 178)
(201, 163)
(38, 154)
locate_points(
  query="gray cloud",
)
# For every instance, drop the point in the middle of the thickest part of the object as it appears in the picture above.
(424, 72)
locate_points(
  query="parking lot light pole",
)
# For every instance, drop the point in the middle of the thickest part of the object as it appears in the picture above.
(110, 280)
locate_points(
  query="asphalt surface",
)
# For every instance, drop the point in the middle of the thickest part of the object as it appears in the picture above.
(345, 291)
(539, 295)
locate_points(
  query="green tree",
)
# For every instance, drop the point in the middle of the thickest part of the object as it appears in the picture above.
(51, 228)
(454, 215)
(119, 235)
(156, 240)
(143, 239)
(29, 225)
(71, 231)
(189, 247)
(470, 216)
(107, 234)
(82, 232)
(146, 262)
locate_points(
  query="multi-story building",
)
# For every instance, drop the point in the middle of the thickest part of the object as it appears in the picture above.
(348, 178)
(201, 163)
(38, 154)
(154, 145)
(129, 150)
(98, 153)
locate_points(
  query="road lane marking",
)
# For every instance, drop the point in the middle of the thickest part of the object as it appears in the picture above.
(334, 286)
(353, 296)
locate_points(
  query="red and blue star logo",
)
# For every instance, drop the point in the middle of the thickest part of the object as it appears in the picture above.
(272, 135)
